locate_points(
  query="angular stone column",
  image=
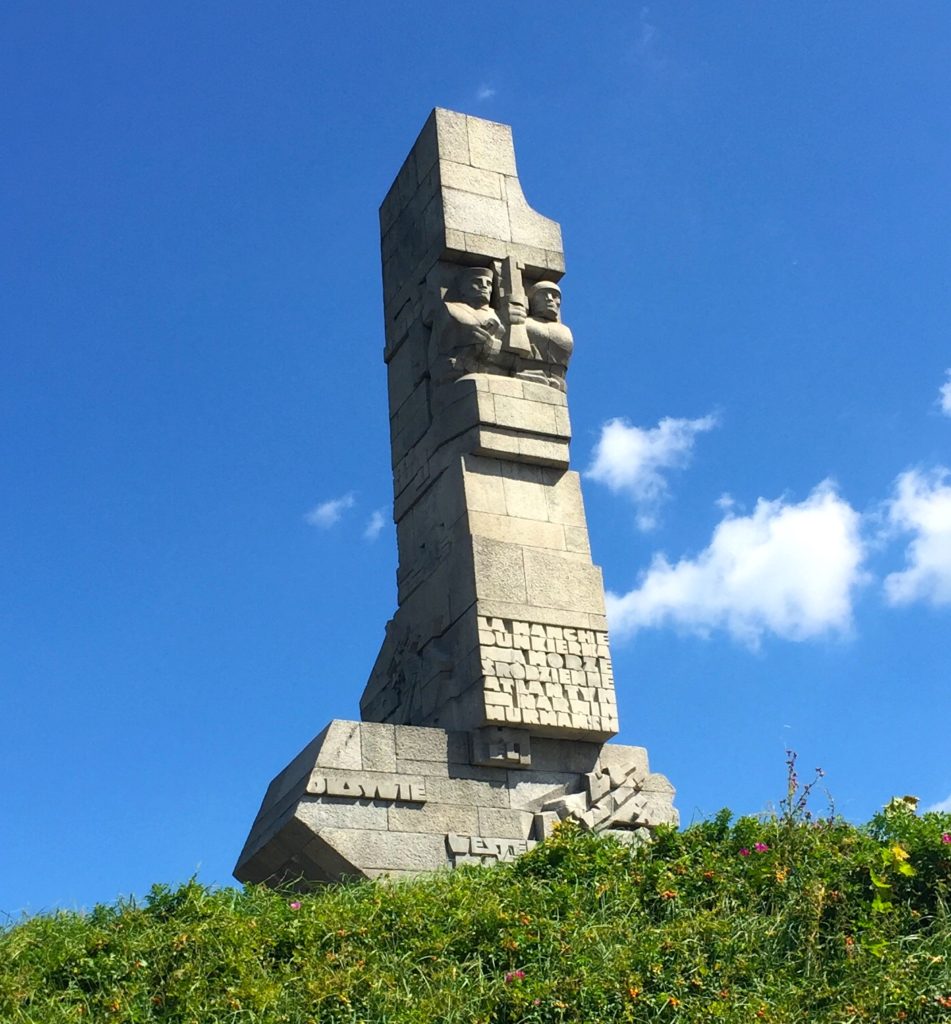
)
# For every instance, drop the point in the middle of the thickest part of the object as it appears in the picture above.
(501, 612)
(485, 713)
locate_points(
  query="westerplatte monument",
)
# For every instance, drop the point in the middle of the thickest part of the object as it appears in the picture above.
(485, 716)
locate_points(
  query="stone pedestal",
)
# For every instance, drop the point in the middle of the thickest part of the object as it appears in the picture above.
(486, 711)
(365, 799)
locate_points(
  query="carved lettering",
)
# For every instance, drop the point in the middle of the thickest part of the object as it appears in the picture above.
(362, 787)
(551, 675)
(484, 850)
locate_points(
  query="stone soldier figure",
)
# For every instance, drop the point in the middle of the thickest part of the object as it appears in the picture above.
(550, 339)
(467, 334)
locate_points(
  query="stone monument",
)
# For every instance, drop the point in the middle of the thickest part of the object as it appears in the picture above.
(485, 716)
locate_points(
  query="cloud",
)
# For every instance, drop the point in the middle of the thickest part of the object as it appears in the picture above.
(327, 513)
(941, 807)
(646, 35)
(786, 569)
(945, 392)
(375, 524)
(632, 459)
(922, 506)
(485, 92)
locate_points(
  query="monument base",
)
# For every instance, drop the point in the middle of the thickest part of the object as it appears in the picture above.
(364, 799)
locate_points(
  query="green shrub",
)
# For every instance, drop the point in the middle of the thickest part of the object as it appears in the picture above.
(785, 919)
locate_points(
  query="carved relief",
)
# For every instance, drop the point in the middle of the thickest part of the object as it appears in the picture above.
(610, 799)
(483, 322)
(481, 850)
(467, 332)
(551, 341)
(498, 746)
(360, 787)
(543, 675)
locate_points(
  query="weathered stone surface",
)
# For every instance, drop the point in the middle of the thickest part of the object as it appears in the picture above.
(310, 831)
(486, 710)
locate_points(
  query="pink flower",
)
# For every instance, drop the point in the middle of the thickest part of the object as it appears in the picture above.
(294, 904)
(760, 847)
(744, 852)
(946, 838)
(511, 976)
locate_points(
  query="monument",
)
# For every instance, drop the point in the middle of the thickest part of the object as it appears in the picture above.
(485, 716)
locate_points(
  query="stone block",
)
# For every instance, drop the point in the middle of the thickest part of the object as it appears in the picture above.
(494, 821)
(550, 755)
(659, 784)
(482, 480)
(543, 824)
(529, 227)
(521, 611)
(562, 421)
(538, 262)
(452, 135)
(422, 744)
(470, 179)
(533, 392)
(654, 809)
(434, 818)
(621, 760)
(564, 501)
(340, 746)
(464, 211)
(509, 387)
(499, 575)
(520, 414)
(406, 180)
(426, 769)
(543, 451)
(469, 792)
(562, 580)
(378, 747)
(576, 539)
(498, 443)
(526, 532)
(318, 813)
(387, 851)
(525, 492)
(529, 791)
(486, 247)
(491, 145)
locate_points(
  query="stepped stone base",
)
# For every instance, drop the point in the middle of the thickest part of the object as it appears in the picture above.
(364, 799)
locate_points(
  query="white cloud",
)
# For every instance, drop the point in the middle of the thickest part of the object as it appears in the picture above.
(785, 569)
(375, 524)
(327, 513)
(922, 505)
(945, 392)
(632, 459)
(485, 92)
(941, 807)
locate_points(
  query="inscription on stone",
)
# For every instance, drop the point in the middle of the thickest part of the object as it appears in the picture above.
(480, 850)
(536, 674)
(410, 791)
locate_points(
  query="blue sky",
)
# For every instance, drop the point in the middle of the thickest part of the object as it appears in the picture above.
(755, 207)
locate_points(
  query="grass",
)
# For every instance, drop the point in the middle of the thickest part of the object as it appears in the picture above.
(783, 920)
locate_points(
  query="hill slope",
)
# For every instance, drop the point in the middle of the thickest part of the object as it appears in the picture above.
(781, 920)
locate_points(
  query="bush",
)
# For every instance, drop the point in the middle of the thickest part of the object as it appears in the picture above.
(784, 919)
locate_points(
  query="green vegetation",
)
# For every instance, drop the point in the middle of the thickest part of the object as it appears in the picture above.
(781, 920)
